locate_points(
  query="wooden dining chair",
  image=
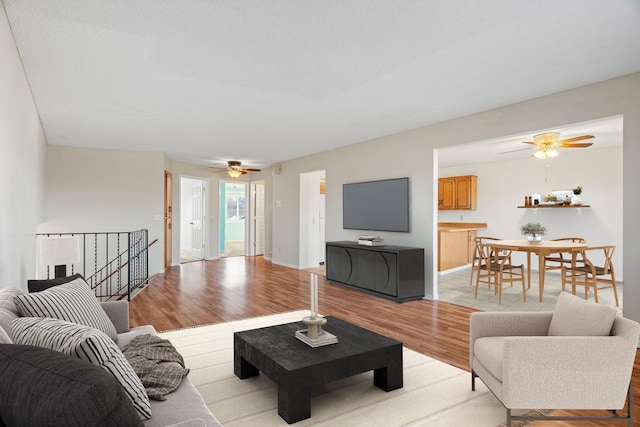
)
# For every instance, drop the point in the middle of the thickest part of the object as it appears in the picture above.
(496, 269)
(559, 258)
(476, 261)
(591, 275)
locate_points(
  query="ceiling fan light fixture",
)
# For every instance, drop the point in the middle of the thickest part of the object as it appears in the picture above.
(233, 173)
(545, 153)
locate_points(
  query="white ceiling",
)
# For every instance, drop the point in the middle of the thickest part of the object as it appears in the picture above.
(271, 80)
(607, 133)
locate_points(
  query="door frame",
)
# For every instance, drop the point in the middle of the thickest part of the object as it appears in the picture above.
(205, 214)
(168, 218)
(253, 214)
(223, 214)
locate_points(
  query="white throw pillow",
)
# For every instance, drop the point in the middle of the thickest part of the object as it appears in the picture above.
(8, 309)
(74, 302)
(4, 337)
(575, 316)
(87, 344)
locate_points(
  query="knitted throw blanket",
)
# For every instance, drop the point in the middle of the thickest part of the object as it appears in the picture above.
(146, 353)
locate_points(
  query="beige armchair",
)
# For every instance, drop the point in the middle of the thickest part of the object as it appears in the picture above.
(577, 357)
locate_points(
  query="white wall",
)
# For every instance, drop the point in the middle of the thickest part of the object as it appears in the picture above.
(412, 154)
(92, 190)
(22, 152)
(503, 185)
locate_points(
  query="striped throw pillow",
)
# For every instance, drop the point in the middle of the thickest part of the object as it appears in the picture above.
(73, 302)
(87, 344)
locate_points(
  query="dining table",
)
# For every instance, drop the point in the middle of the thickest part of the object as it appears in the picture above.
(542, 248)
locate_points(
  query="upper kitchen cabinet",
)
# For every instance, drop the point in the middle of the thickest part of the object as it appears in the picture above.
(457, 192)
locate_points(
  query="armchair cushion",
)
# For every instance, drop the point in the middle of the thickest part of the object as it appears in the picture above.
(575, 316)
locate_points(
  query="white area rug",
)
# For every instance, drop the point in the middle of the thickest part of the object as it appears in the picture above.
(434, 393)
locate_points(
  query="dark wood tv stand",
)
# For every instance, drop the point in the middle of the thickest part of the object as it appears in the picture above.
(392, 272)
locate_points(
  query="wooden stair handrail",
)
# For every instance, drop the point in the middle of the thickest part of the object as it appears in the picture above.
(124, 264)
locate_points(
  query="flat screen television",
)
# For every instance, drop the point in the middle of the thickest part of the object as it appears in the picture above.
(376, 205)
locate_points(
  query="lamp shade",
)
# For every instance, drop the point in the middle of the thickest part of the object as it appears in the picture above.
(234, 173)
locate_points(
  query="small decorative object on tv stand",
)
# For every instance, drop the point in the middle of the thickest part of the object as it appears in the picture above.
(367, 240)
(314, 336)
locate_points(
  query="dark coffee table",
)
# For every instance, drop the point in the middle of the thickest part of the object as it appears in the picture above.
(296, 368)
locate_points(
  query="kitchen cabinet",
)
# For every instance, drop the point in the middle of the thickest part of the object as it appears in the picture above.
(457, 192)
(456, 244)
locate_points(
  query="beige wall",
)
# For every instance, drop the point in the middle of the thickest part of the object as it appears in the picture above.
(22, 151)
(91, 190)
(412, 154)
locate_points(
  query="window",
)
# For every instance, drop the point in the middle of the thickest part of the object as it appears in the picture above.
(236, 208)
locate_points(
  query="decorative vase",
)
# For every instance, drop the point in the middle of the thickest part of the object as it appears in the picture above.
(576, 200)
(534, 238)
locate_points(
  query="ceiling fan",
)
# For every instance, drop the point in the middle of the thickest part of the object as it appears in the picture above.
(235, 169)
(548, 142)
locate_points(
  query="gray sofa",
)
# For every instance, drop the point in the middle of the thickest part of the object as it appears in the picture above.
(184, 407)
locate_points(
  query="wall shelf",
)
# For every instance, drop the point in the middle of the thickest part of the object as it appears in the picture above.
(554, 206)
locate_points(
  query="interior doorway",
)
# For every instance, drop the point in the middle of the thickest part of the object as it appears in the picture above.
(192, 219)
(233, 215)
(312, 219)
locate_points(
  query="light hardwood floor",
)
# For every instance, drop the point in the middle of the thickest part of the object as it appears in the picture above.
(241, 287)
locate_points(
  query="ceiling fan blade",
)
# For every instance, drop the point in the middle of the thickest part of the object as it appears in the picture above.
(577, 138)
(579, 145)
(515, 151)
(529, 142)
(252, 170)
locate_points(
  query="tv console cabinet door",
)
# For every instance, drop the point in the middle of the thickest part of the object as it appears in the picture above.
(376, 271)
(339, 264)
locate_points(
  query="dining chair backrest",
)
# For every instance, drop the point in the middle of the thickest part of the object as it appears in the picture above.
(597, 266)
(489, 255)
(559, 258)
(476, 262)
(590, 253)
(570, 239)
(498, 269)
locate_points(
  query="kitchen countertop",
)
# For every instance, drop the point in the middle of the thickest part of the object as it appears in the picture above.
(460, 226)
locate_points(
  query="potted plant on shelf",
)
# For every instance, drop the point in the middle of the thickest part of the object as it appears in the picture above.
(576, 200)
(534, 231)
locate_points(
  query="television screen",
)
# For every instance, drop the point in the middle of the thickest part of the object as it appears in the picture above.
(376, 205)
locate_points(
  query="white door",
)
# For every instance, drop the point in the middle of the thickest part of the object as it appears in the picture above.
(259, 219)
(197, 211)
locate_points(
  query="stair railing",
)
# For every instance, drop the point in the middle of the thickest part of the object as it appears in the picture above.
(114, 264)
